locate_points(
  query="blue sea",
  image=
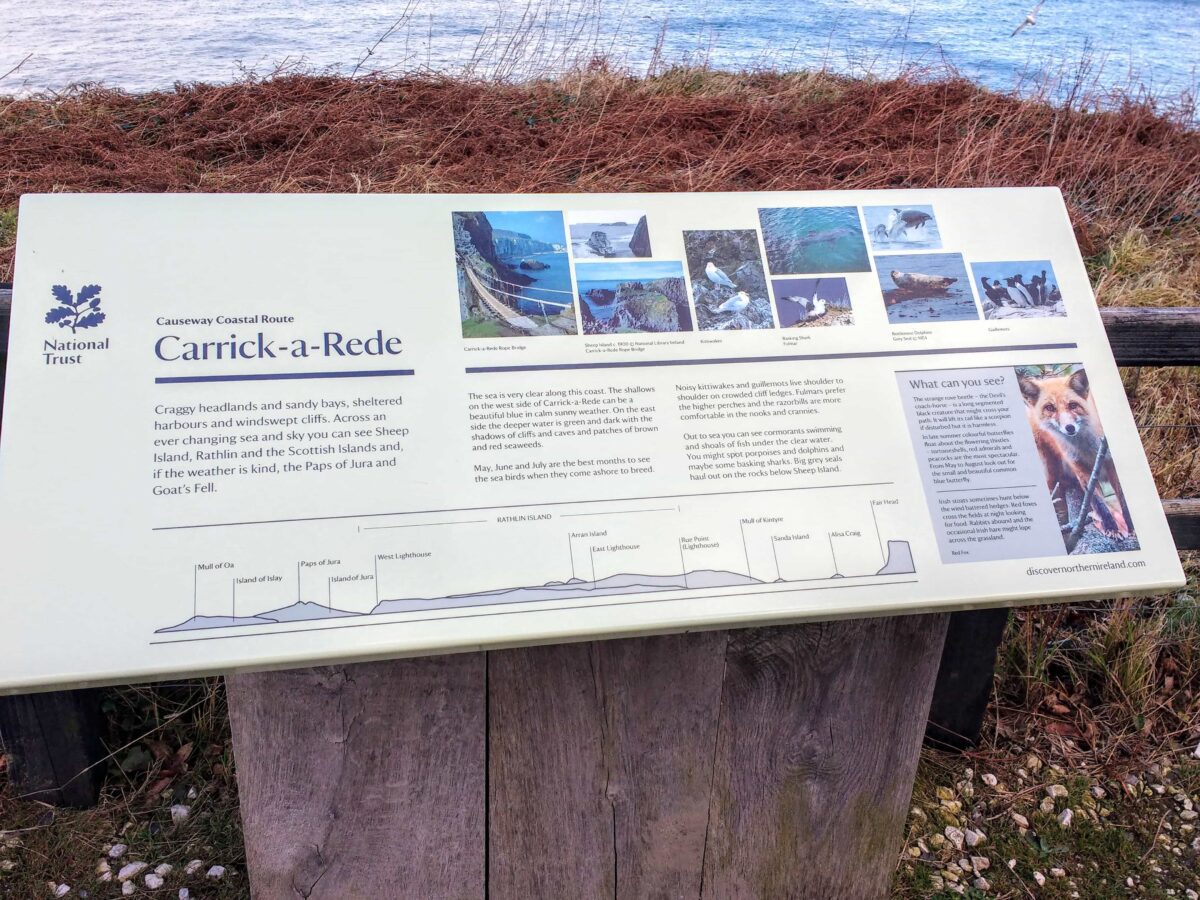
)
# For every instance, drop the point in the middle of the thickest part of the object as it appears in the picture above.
(150, 44)
(800, 240)
(552, 284)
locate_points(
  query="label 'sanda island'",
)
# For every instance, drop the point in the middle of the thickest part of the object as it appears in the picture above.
(394, 425)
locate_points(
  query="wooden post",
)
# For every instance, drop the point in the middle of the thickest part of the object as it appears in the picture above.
(772, 762)
(363, 780)
(54, 747)
(964, 680)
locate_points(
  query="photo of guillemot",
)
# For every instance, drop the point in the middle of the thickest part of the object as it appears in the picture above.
(1018, 290)
(615, 234)
(729, 286)
(926, 287)
(902, 227)
(514, 278)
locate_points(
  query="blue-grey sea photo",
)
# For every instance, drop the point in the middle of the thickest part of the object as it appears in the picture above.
(812, 302)
(612, 234)
(1018, 290)
(926, 287)
(514, 278)
(804, 240)
(912, 227)
(632, 297)
(729, 286)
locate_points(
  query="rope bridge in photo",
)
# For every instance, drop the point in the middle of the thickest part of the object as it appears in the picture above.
(491, 289)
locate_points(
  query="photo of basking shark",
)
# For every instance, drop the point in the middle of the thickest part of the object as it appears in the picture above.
(828, 236)
(813, 240)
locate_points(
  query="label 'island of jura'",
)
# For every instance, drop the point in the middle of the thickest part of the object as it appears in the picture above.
(248, 431)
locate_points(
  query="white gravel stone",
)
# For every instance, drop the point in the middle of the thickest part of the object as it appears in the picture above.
(193, 867)
(990, 780)
(62, 890)
(1056, 791)
(981, 884)
(1065, 817)
(1039, 878)
(1021, 821)
(216, 873)
(980, 863)
(974, 838)
(955, 836)
(180, 813)
(102, 866)
(154, 881)
(127, 889)
(1056, 872)
(132, 870)
(185, 894)
(117, 851)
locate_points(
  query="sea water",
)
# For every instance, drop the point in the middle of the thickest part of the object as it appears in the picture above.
(600, 311)
(794, 242)
(150, 44)
(552, 284)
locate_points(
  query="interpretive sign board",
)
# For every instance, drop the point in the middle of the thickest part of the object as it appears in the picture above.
(258, 431)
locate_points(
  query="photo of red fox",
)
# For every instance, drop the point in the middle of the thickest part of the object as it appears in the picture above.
(1070, 437)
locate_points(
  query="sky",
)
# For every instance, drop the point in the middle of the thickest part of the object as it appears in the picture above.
(541, 226)
(632, 270)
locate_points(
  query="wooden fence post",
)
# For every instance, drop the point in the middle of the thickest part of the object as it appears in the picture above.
(54, 746)
(363, 781)
(774, 762)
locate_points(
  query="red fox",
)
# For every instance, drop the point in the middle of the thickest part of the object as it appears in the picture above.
(1067, 432)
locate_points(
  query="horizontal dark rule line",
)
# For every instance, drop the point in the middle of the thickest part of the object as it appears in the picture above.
(283, 376)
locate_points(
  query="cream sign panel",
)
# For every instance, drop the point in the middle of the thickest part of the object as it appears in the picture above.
(253, 431)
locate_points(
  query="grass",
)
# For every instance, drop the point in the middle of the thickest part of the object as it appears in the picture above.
(1104, 691)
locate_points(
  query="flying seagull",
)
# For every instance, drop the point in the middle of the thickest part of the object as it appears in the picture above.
(736, 303)
(1030, 19)
(716, 276)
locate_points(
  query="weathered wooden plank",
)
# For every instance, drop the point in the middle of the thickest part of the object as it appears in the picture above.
(601, 766)
(964, 679)
(365, 780)
(817, 751)
(1184, 518)
(1143, 336)
(53, 743)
